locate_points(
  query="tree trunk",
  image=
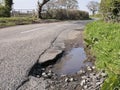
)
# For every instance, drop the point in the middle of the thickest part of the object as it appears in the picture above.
(39, 11)
(40, 8)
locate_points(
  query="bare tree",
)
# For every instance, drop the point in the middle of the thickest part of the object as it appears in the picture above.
(68, 4)
(72, 4)
(53, 4)
(93, 6)
(64, 4)
(40, 5)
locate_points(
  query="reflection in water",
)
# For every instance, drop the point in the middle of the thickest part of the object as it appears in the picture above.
(72, 62)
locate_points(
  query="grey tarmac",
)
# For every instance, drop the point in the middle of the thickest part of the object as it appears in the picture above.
(22, 46)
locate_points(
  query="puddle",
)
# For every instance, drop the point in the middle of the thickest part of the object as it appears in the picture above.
(71, 62)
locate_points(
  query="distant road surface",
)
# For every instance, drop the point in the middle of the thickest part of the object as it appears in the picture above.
(22, 46)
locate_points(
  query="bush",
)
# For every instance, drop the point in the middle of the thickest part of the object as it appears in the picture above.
(4, 12)
(110, 10)
(64, 14)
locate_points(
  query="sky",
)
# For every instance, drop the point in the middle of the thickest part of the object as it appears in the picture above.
(32, 4)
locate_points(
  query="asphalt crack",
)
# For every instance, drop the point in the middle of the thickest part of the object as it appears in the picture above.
(52, 42)
(27, 80)
(38, 65)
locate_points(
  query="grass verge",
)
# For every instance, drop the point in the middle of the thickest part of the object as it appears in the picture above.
(12, 21)
(103, 39)
(4, 22)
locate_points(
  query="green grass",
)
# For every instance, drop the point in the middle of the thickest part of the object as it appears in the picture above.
(4, 22)
(13, 21)
(104, 41)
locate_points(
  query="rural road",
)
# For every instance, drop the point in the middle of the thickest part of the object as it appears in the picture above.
(23, 46)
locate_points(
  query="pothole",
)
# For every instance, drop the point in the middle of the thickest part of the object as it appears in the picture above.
(69, 70)
(68, 62)
(72, 62)
(37, 69)
(65, 63)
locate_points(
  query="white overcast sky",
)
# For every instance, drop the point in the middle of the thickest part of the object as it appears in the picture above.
(32, 4)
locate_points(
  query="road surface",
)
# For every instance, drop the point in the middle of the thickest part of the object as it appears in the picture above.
(22, 46)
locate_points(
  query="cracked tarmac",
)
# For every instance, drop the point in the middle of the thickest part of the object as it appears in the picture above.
(19, 51)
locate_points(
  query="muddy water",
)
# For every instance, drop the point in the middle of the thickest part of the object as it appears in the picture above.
(72, 62)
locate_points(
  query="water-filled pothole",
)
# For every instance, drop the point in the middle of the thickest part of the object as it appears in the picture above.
(71, 62)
